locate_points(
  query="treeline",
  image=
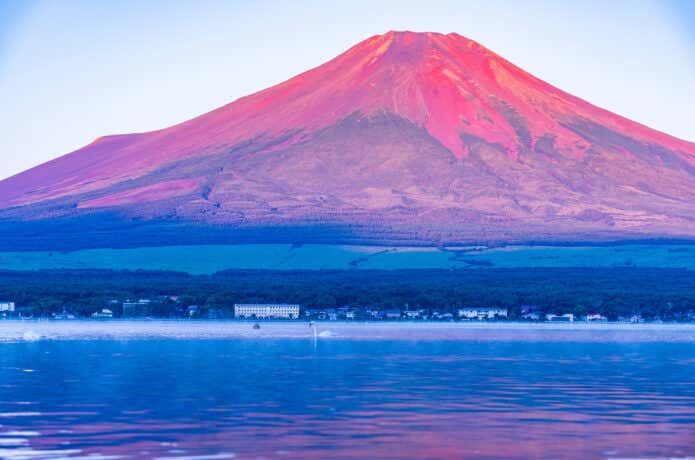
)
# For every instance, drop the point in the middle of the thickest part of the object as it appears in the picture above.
(613, 292)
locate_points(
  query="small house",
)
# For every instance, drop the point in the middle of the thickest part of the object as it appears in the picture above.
(105, 313)
(64, 315)
(414, 314)
(596, 317)
(531, 316)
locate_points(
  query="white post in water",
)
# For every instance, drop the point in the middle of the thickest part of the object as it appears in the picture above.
(315, 328)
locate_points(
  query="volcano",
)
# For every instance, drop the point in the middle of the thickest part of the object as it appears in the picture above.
(405, 138)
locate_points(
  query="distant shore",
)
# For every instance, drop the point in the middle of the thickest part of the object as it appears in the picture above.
(612, 294)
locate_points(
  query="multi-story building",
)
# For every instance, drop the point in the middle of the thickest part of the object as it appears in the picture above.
(482, 313)
(6, 309)
(254, 310)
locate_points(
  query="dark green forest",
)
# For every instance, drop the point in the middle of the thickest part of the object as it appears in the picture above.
(654, 293)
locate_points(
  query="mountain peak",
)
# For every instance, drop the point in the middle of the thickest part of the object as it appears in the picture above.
(409, 36)
(417, 45)
(404, 133)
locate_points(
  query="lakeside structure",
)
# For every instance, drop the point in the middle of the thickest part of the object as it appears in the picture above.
(481, 313)
(64, 315)
(565, 318)
(596, 317)
(170, 307)
(6, 309)
(253, 310)
(104, 313)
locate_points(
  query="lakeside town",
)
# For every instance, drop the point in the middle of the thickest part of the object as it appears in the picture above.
(143, 309)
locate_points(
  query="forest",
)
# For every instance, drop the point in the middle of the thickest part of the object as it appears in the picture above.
(668, 294)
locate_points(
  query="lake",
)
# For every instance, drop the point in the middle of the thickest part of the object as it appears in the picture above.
(216, 390)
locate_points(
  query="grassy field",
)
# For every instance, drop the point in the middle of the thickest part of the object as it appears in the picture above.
(211, 259)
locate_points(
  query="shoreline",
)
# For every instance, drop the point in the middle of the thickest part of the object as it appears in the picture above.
(95, 330)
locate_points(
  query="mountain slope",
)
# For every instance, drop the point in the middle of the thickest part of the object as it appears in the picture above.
(406, 137)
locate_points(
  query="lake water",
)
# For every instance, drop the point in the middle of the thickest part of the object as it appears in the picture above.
(215, 390)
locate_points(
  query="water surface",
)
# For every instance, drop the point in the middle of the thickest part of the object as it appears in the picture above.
(222, 390)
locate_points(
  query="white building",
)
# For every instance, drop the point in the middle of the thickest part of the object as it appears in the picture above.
(415, 314)
(271, 310)
(104, 313)
(531, 316)
(442, 315)
(596, 317)
(7, 306)
(482, 313)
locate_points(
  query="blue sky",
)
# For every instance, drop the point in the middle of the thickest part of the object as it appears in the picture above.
(74, 70)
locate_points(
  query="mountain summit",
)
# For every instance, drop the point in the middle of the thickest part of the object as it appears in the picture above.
(417, 138)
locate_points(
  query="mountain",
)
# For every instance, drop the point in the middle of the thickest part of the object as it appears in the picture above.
(413, 138)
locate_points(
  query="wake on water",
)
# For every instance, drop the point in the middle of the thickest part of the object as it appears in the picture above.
(30, 336)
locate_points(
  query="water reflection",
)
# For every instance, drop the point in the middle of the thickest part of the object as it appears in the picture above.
(289, 398)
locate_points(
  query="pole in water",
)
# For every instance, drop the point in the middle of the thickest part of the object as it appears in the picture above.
(312, 325)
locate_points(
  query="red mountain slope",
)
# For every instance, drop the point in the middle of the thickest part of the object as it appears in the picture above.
(417, 137)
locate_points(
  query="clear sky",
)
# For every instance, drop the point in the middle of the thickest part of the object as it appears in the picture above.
(74, 70)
